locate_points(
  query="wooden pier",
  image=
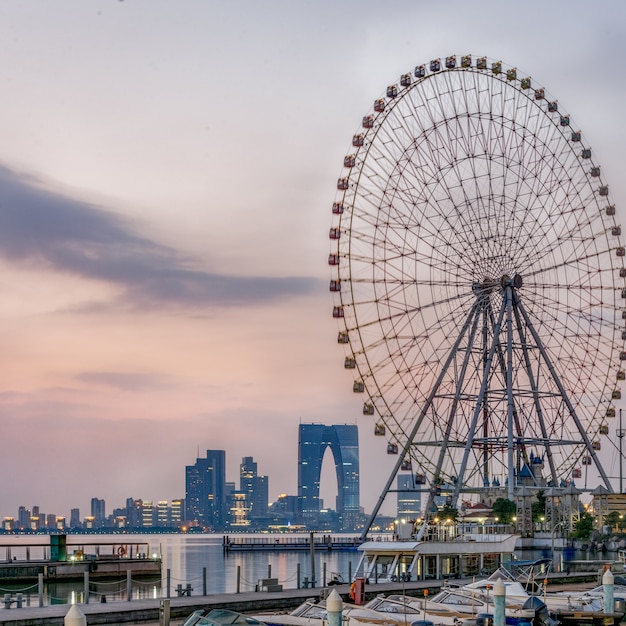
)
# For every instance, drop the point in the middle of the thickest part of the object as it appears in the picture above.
(60, 561)
(285, 543)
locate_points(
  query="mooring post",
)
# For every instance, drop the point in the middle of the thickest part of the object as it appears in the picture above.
(75, 617)
(204, 581)
(499, 598)
(129, 587)
(164, 613)
(40, 588)
(238, 578)
(312, 546)
(334, 608)
(298, 575)
(168, 579)
(608, 586)
(86, 586)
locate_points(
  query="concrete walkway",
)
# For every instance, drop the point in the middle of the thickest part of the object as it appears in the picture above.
(147, 611)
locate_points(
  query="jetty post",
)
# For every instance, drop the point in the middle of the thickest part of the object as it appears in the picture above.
(75, 617)
(608, 585)
(499, 598)
(334, 608)
(86, 586)
(312, 546)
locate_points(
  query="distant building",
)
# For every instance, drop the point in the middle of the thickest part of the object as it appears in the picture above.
(239, 510)
(255, 487)
(147, 514)
(75, 518)
(23, 518)
(134, 512)
(409, 497)
(205, 491)
(343, 441)
(162, 514)
(98, 511)
(176, 513)
(284, 510)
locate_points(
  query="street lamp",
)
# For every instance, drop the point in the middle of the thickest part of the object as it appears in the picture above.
(552, 536)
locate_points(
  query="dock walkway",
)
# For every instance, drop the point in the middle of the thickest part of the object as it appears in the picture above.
(329, 543)
(147, 611)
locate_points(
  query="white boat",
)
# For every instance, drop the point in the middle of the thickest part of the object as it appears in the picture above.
(447, 608)
(435, 552)
(521, 586)
(312, 613)
(220, 617)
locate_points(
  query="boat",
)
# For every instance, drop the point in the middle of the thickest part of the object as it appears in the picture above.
(446, 607)
(435, 551)
(524, 583)
(314, 613)
(220, 617)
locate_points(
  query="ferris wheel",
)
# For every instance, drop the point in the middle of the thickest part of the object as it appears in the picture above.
(478, 280)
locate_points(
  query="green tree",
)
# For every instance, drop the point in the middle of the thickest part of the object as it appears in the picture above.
(504, 510)
(447, 512)
(612, 519)
(539, 507)
(583, 527)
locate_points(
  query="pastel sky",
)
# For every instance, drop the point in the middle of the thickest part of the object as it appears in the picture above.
(167, 169)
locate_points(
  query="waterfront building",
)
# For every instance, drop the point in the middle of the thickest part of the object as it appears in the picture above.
(75, 518)
(255, 487)
(176, 513)
(205, 491)
(343, 441)
(409, 494)
(147, 514)
(239, 510)
(8, 523)
(98, 511)
(23, 518)
(284, 510)
(89, 522)
(162, 514)
(133, 512)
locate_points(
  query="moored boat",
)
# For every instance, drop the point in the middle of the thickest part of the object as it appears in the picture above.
(314, 613)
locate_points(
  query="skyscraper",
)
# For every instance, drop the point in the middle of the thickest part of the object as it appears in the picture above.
(343, 441)
(75, 518)
(205, 484)
(254, 486)
(98, 511)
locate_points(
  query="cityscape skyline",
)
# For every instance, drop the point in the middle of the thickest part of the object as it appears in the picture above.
(165, 201)
(208, 489)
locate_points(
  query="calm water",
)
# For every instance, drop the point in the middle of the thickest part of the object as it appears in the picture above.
(185, 556)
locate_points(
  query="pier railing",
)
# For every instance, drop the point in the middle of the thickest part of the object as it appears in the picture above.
(329, 542)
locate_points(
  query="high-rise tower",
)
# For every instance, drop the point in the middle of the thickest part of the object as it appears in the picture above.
(343, 441)
(205, 490)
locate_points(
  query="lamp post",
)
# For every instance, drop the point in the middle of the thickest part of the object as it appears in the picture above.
(552, 536)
